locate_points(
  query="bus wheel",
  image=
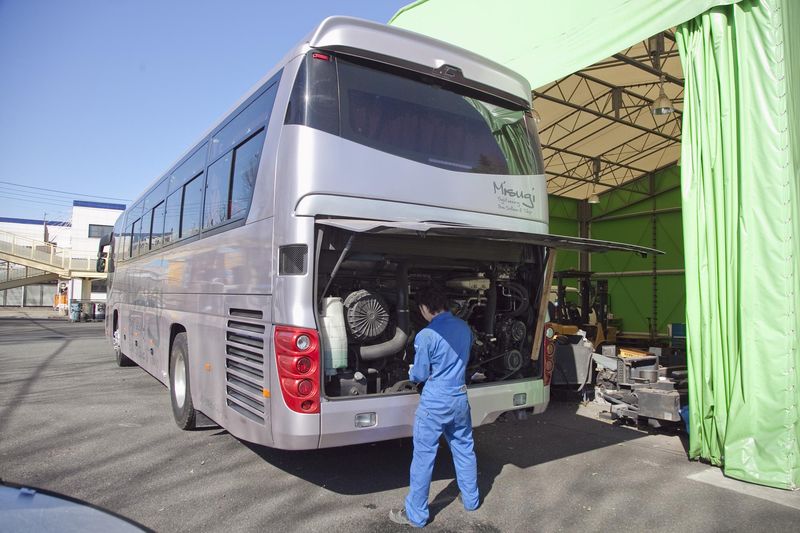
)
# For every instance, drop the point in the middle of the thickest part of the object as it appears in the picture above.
(179, 387)
(122, 359)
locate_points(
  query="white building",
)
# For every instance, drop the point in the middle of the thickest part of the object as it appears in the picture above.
(81, 234)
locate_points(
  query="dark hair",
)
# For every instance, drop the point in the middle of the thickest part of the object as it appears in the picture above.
(433, 298)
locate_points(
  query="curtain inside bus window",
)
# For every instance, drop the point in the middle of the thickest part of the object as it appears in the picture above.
(513, 133)
(419, 121)
(412, 117)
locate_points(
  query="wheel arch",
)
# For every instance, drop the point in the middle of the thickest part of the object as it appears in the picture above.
(174, 329)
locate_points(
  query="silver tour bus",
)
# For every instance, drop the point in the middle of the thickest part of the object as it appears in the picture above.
(268, 278)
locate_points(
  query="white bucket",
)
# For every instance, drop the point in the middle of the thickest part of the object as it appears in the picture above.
(334, 335)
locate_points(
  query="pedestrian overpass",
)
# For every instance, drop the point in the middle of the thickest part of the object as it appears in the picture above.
(45, 262)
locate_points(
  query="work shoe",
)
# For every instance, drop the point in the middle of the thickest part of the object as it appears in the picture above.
(400, 517)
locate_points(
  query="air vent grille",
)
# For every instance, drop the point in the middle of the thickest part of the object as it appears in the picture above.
(292, 259)
(244, 364)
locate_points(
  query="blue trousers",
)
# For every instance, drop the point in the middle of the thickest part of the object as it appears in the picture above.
(439, 415)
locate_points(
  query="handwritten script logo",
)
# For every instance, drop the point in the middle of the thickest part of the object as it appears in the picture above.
(527, 198)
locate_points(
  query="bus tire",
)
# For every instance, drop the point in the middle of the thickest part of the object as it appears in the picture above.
(180, 391)
(121, 358)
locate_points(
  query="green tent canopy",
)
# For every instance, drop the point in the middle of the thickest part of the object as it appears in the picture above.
(740, 185)
(543, 40)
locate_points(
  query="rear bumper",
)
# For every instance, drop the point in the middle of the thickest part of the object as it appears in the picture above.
(395, 414)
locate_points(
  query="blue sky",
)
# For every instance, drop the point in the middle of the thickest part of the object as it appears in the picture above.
(99, 97)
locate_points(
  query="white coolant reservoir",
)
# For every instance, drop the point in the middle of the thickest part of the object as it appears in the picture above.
(334, 335)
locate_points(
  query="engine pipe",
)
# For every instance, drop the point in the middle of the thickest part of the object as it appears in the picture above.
(491, 305)
(398, 342)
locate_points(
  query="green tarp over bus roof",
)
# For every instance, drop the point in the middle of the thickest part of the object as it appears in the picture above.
(544, 40)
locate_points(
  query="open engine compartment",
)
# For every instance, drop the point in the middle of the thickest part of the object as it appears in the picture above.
(365, 286)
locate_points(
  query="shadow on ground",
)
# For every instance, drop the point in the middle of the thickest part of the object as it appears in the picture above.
(377, 467)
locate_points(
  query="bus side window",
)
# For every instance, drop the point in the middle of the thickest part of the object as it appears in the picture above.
(125, 244)
(245, 169)
(172, 218)
(245, 124)
(218, 180)
(136, 233)
(157, 226)
(192, 207)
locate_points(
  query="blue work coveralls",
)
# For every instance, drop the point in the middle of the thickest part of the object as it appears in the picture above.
(442, 354)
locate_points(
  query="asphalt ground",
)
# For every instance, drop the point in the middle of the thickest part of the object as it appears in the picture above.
(71, 421)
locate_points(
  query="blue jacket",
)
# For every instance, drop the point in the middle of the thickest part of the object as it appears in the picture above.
(442, 355)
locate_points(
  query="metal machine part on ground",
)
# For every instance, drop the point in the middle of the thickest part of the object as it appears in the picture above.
(637, 388)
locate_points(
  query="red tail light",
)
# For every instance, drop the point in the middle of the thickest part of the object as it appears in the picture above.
(297, 357)
(549, 349)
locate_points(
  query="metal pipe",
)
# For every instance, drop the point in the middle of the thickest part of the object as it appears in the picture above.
(491, 306)
(633, 273)
(639, 214)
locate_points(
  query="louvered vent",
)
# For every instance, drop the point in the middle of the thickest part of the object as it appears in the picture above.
(244, 363)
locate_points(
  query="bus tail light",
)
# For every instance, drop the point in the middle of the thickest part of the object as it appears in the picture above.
(297, 357)
(549, 347)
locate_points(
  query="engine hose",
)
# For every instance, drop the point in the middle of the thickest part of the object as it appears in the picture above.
(384, 349)
(398, 341)
(520, 295)
(491, 307)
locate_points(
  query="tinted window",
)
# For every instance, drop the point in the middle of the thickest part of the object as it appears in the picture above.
(144, 233)
(136, 235)
(156, 196)
(172, 217)
(192, 207)
(318, 108)
(188, 169)
(245, 169)
(417, 118)
(125, 245)
(244, 124)
(136, 211)
(157, 226)
(217, 192)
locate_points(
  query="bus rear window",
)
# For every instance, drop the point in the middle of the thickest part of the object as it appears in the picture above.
(415, 118)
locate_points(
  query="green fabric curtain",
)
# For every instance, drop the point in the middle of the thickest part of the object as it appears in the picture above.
(741, 218)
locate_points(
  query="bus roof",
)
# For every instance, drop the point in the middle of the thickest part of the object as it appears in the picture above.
(407, 49)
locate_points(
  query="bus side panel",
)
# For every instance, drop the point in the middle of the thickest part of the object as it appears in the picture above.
(292, 305)
(222, 284)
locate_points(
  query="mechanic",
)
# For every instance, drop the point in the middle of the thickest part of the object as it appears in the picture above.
(442, 353)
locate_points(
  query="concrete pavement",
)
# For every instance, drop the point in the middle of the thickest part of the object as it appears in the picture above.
(72, 422)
